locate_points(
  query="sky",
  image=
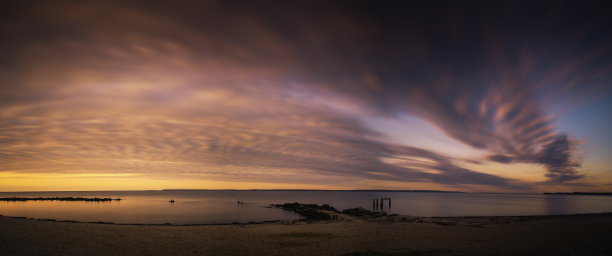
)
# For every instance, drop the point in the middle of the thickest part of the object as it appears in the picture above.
(471, 96)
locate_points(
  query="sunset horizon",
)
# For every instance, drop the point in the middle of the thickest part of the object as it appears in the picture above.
(300, 128)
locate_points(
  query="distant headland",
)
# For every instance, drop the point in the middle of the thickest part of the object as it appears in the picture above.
(326, 190)
(581, 193)
(85, 199)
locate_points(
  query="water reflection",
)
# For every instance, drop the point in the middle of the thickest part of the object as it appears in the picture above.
(557, 204)
(151, 208)
(192, 207)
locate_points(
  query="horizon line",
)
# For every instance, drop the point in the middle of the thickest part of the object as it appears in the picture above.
(329, 190)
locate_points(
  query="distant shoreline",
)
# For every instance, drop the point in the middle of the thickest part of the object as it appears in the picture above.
(280, 190)
(85, 199)
(581, 193)
(323, 190)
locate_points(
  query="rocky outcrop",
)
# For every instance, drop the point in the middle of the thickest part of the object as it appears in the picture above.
(361, 212)
(85, 199)
(311, 212)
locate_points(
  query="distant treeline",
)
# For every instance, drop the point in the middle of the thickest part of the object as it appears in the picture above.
(582, 193)
(86, 199)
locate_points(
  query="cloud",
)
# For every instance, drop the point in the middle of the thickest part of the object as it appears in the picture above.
(557, 157)
(230, 91)
(500, 158)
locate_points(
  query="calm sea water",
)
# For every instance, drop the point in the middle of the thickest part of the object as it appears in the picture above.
(209, 207)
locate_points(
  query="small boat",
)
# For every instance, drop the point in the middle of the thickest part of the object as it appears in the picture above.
(171, 201)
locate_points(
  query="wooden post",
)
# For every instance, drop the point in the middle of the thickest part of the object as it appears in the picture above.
(373, 204)
(382, 202)
(377, 207)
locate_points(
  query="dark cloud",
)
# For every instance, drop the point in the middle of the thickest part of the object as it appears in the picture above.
(559, 161)
(558, 156)
(500, 158)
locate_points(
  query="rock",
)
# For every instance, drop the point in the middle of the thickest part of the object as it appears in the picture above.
(380, 214)
(445, 222)
(309, 211)
(358, 212)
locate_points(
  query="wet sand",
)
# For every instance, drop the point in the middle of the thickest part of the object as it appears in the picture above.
(551, 235)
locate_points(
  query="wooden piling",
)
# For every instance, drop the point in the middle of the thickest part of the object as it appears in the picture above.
(373, 204)
(382, 202)
(379, 204)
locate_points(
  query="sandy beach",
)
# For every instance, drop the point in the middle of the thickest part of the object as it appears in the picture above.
(549, 235)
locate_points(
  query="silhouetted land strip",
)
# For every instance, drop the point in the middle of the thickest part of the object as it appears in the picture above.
(325, 190)
(581, 193)
(85, 199)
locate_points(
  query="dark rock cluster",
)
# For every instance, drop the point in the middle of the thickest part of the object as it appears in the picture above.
(361, 212)
(309, 211)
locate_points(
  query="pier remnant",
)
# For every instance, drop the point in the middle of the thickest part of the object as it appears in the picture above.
(379, 205)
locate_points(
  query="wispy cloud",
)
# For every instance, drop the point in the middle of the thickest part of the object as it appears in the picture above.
(266, 93)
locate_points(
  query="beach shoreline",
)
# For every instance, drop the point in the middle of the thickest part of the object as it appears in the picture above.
(442, 220)
(581, 234)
